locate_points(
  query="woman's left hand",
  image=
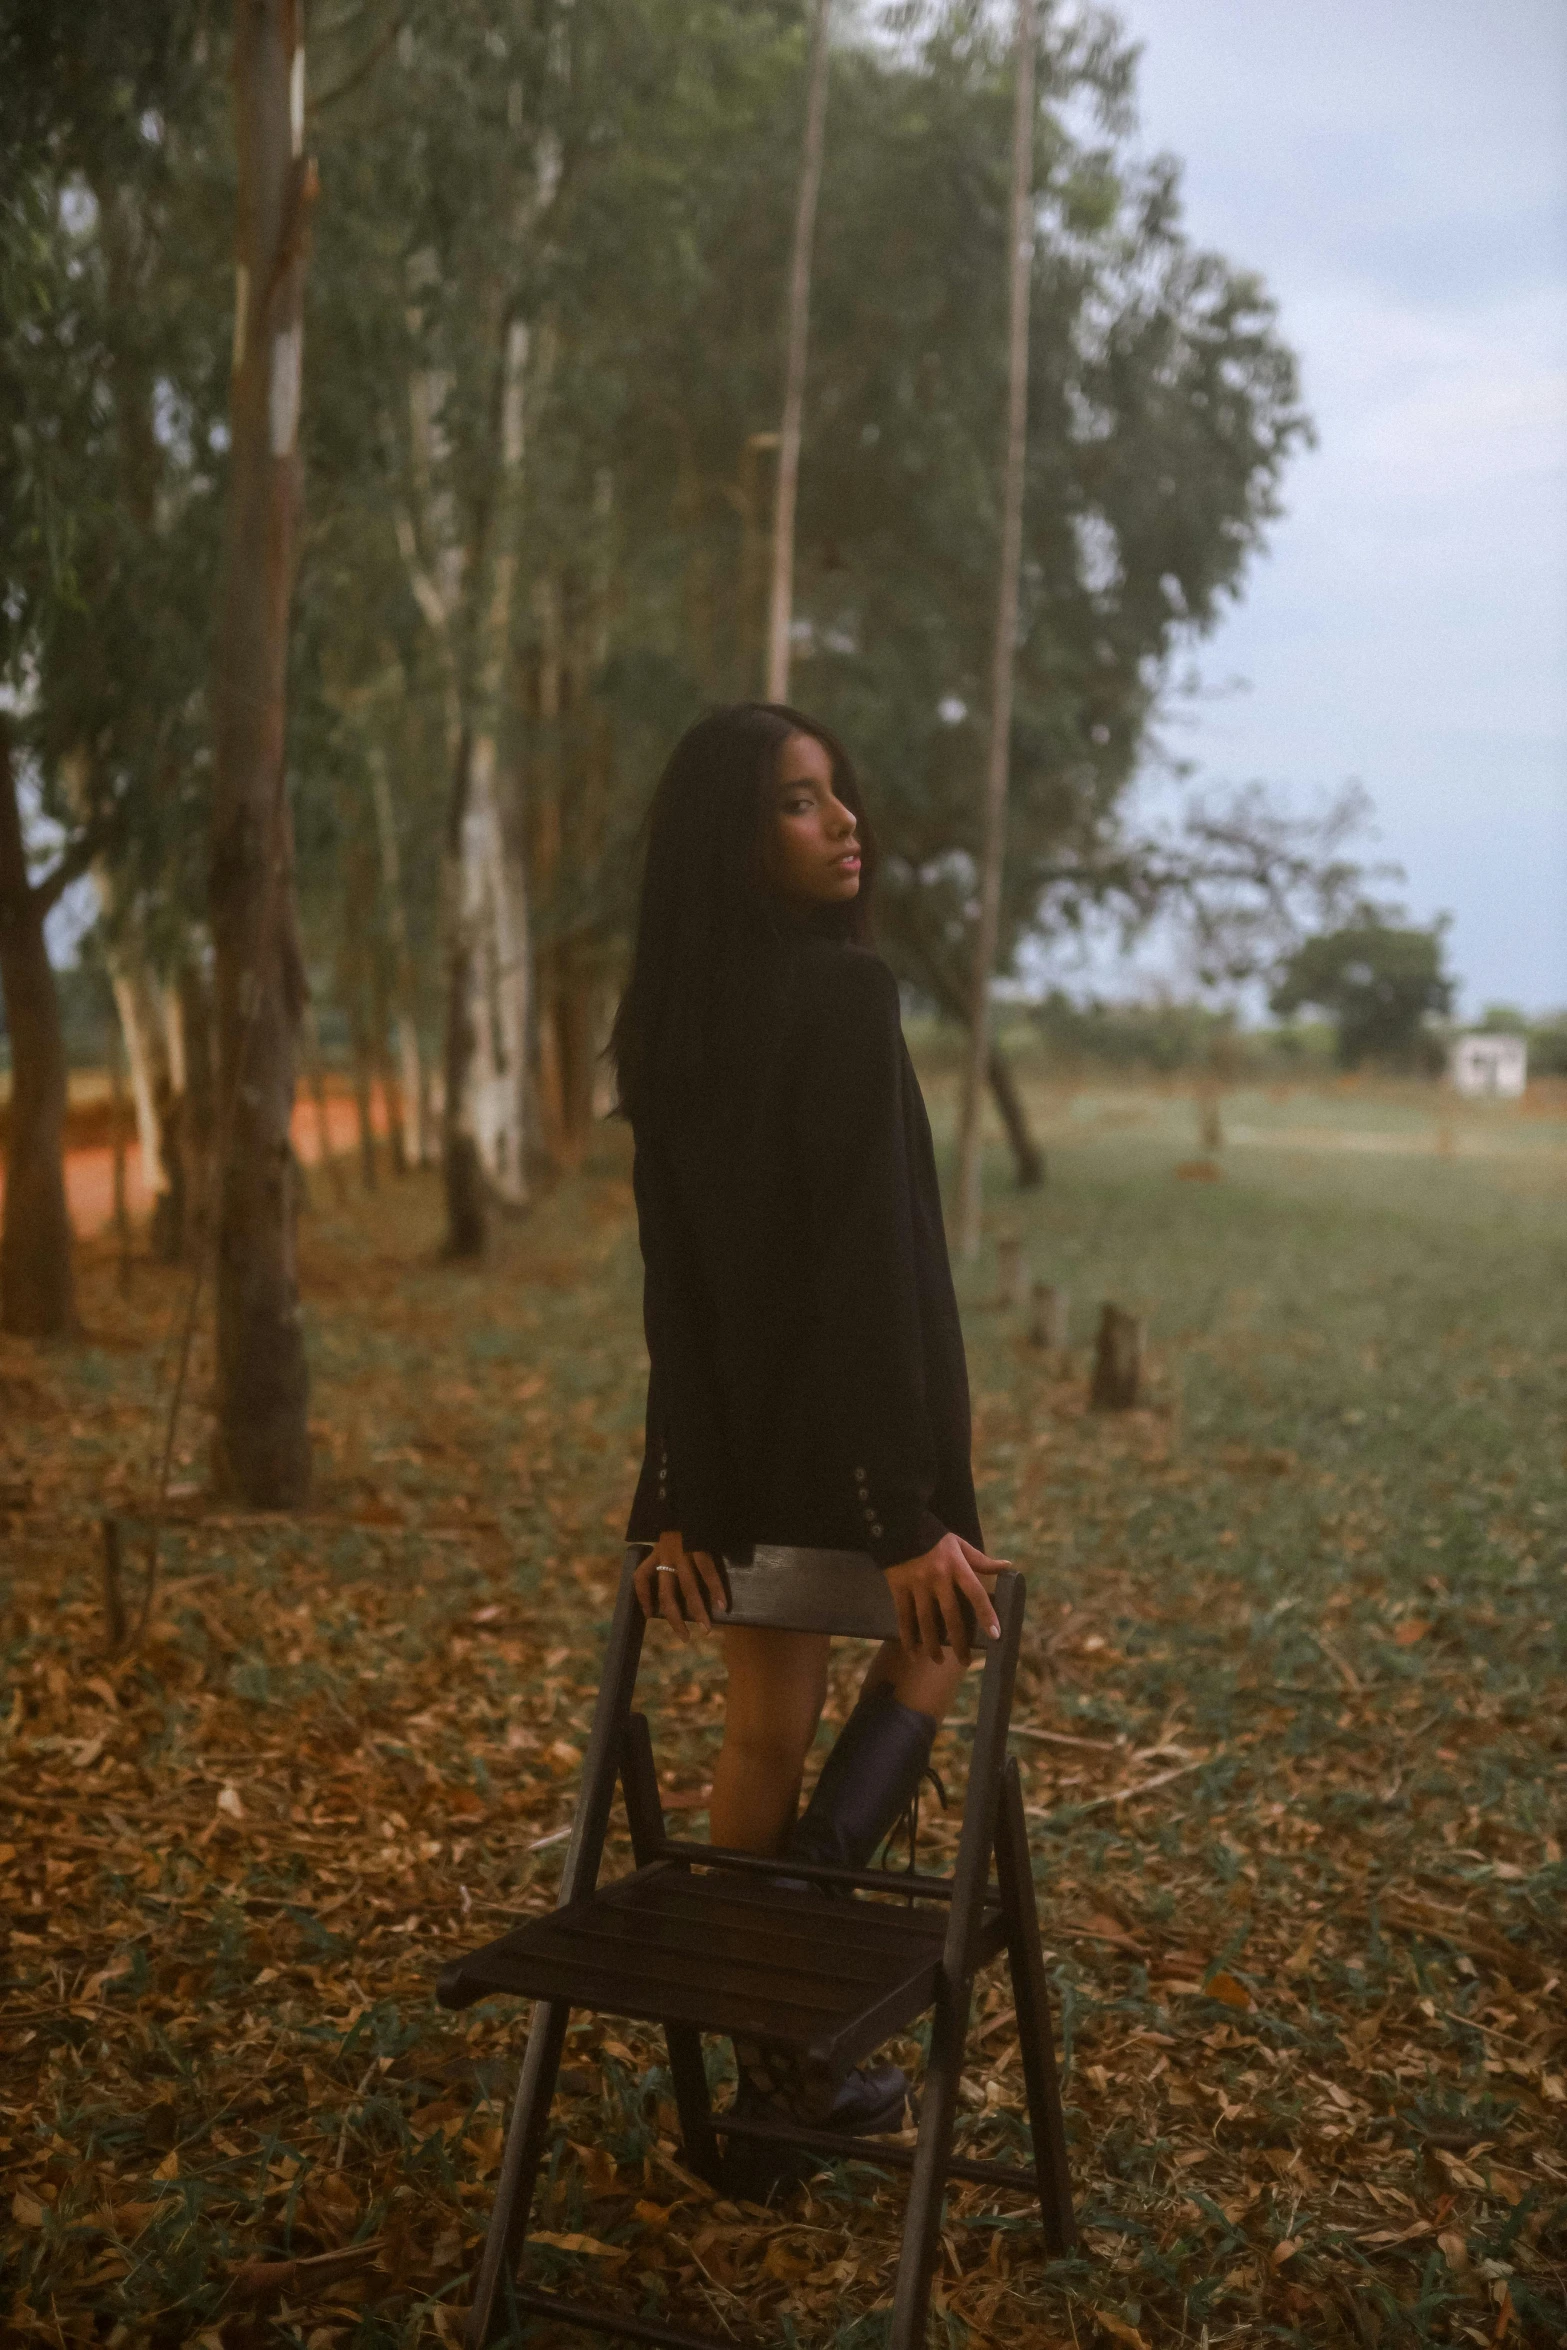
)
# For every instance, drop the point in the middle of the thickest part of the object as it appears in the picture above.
(929, 1593)
(671, 1573)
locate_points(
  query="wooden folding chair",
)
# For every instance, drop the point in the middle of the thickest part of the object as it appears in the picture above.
(702, 1939)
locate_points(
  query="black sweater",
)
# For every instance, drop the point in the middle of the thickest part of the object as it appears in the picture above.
(807, 1379)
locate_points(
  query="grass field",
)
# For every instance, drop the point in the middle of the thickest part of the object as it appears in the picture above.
(1293, 1723)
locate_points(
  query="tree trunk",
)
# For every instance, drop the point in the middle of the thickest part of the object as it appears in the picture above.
(487, 1001)
(545, 795)
(136, 1007)
(119, 1140)
(191, 1055)
(353, 988)
(1028, 1160)
(172, 1209)
(263, 1442)
(462, 1173)
(1020, 272)
(780, 602)
(384, 1068)
(484, 1131)
(37, 1284)
(497, 910)
(405, 990)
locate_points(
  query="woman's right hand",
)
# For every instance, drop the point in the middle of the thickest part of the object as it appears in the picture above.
(669, 1573)
(928, 1593)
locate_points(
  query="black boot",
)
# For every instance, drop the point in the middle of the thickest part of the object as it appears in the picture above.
(867, 1782)
(866, 1785)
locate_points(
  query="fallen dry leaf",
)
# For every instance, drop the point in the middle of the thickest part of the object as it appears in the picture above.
(589, 2245)
(1118, 2329)
(387, 1681)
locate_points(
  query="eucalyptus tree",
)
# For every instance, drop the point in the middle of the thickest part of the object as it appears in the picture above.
(108, 317)
(450, 159)
(574, 222)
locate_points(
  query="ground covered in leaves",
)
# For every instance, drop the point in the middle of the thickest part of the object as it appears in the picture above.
(1293, 1723)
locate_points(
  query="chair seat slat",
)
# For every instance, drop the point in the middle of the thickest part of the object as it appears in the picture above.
(847, 1925)
(715, 2003)
(608, 1941)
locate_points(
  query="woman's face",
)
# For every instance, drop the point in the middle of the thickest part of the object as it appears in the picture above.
(813, 854)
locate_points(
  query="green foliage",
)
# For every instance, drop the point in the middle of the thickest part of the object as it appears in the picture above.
(1548, 1046)
(621, 179)
(1380, 983)
(114, 354)
(616, 178)
(1162, 1037)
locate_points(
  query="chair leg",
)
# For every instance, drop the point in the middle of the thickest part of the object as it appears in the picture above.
(1031, 1998)
(693, 2102)
(519, 2168)
(639, 1781)
(922, 2219)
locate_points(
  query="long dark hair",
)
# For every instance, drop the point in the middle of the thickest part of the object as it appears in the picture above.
(706, 915)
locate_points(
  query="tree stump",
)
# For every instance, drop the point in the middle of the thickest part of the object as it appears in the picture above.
(1118, 1361)
(1012, 1266)
(1048, 1328)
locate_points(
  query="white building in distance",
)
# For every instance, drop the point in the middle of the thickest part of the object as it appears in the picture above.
(1482, 1066)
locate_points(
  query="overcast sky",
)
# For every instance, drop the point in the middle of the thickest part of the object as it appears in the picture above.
(1397, 171)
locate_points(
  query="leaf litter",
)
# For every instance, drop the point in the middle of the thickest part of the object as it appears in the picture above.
(1295, 1784)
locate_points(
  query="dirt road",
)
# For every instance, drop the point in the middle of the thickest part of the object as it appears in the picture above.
(89, 1173)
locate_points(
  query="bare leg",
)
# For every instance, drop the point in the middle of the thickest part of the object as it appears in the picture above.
(777, 1685)
(926, 1683)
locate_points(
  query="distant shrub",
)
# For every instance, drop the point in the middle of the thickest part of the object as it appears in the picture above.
(1165, 1038)
(1547, 1041)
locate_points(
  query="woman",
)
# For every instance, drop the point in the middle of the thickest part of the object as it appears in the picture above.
(807, 1380)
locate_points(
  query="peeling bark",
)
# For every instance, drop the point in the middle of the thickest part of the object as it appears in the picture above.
(495, 918)
(484, 882)
(484, 1120)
